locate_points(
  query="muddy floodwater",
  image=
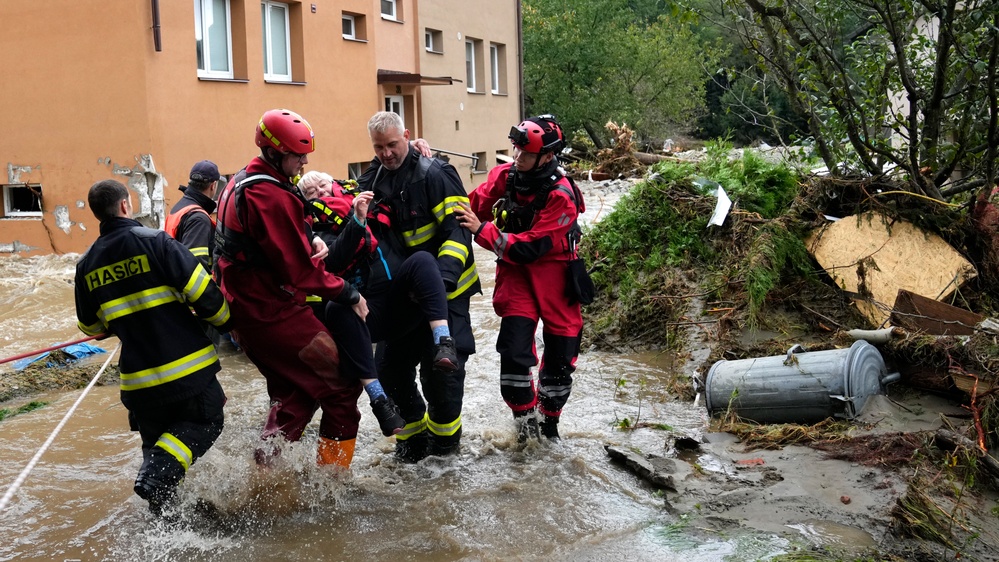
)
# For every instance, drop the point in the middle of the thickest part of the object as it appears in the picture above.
(496, 500)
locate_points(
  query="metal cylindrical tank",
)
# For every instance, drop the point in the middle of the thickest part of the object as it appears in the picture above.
(804, 387)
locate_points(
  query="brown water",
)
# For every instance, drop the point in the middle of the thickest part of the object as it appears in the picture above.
(494, 501)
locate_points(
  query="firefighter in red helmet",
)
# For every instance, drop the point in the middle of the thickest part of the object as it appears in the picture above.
(525, 213)
(268, 263)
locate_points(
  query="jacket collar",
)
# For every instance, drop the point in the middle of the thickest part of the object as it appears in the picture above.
(118, 223)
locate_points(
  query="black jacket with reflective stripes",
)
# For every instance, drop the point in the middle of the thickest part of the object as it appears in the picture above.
(419, 199)
(141, 285)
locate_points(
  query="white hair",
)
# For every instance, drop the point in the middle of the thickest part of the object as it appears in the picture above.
(384, 121)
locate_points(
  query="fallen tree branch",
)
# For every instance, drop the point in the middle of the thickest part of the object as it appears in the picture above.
(950, 440)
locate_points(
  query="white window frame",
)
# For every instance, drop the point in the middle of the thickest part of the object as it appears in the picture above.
(394, 13)
(396, 104)
(353, 27)
(433, 40)
(470, 70)
(203, 19)
(265, 12)
(7, 198)
(494, 67)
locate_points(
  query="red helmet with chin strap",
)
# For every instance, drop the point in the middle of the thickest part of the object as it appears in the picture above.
(541, 134)
(285, 131)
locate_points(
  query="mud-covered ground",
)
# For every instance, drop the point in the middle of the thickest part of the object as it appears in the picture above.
(878, 487)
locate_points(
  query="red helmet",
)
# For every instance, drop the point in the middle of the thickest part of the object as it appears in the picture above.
(285, 131)
(541, 134)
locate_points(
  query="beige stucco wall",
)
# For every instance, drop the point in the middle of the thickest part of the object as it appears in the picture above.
(453, 118)
(86, 97)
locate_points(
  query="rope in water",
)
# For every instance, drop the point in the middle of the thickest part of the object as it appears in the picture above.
(31, 465)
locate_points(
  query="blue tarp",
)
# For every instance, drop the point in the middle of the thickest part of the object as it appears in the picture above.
(77, 351)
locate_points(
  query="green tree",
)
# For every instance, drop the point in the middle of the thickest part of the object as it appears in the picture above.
(594, 61)
(907, 85)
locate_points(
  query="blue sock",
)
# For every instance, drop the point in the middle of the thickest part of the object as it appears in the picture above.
(375, 390)
(441, 332)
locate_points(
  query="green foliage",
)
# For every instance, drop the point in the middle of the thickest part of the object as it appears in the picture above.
(881, 86)
(758, 185)
(659, 230)
(646, 232)
(25, 408)
(774, 251)
(594, 61)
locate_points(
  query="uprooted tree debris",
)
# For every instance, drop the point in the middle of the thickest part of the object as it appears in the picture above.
(661, 269)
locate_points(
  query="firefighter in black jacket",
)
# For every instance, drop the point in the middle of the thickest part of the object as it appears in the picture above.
(413, 209)
(140, 285)
(190, 221)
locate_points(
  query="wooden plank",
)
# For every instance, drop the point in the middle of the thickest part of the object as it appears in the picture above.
(919, 313)
(874, 257)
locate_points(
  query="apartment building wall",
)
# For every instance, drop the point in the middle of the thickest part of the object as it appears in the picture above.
(88, 97)
(454, 118)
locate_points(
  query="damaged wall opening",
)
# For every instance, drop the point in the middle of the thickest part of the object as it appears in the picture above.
(22, 200)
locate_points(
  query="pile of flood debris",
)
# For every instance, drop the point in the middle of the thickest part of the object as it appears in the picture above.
(844, 260)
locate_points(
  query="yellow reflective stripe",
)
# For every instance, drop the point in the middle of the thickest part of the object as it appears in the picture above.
(322, 207)
(467, 279)
(454, 249)
(92, 329)
(420, 235)
(197, 284)
(171, 371)
(446, 429)
(313, 298)
(448, 205)
(143, 300)
(220, 317)
(200, 251)
(177, 448)
(413, 428)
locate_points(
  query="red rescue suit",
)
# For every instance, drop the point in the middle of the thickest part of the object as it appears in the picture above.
(266, 271)
(531, 277)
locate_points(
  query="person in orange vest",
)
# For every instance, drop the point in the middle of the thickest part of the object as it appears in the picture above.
(190, 221)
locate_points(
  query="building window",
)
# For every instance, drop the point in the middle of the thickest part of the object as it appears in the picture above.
(355, 169)
(349, 29)
(211, 33)
(479, 162)
(473, 65)
(277, 41)
(353, 27)
(434, 40)
(24, 200)
(470, 65)
(497, 68)
(390, 10)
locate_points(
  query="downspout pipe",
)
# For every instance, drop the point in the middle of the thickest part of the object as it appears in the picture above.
(157, 41)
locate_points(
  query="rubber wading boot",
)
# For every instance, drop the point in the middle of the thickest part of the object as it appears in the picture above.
(549, 429)
(413, 449)
(527, 428)
(388, 416)
(160, 495)
(441, 448)
(446, 357)
(333, 452)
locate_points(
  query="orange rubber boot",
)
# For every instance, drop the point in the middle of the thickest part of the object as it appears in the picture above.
(335, 453)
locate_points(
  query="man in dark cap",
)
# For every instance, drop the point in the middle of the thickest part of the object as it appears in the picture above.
(190, 221)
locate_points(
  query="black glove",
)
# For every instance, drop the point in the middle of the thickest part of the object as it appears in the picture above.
(349, 296)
